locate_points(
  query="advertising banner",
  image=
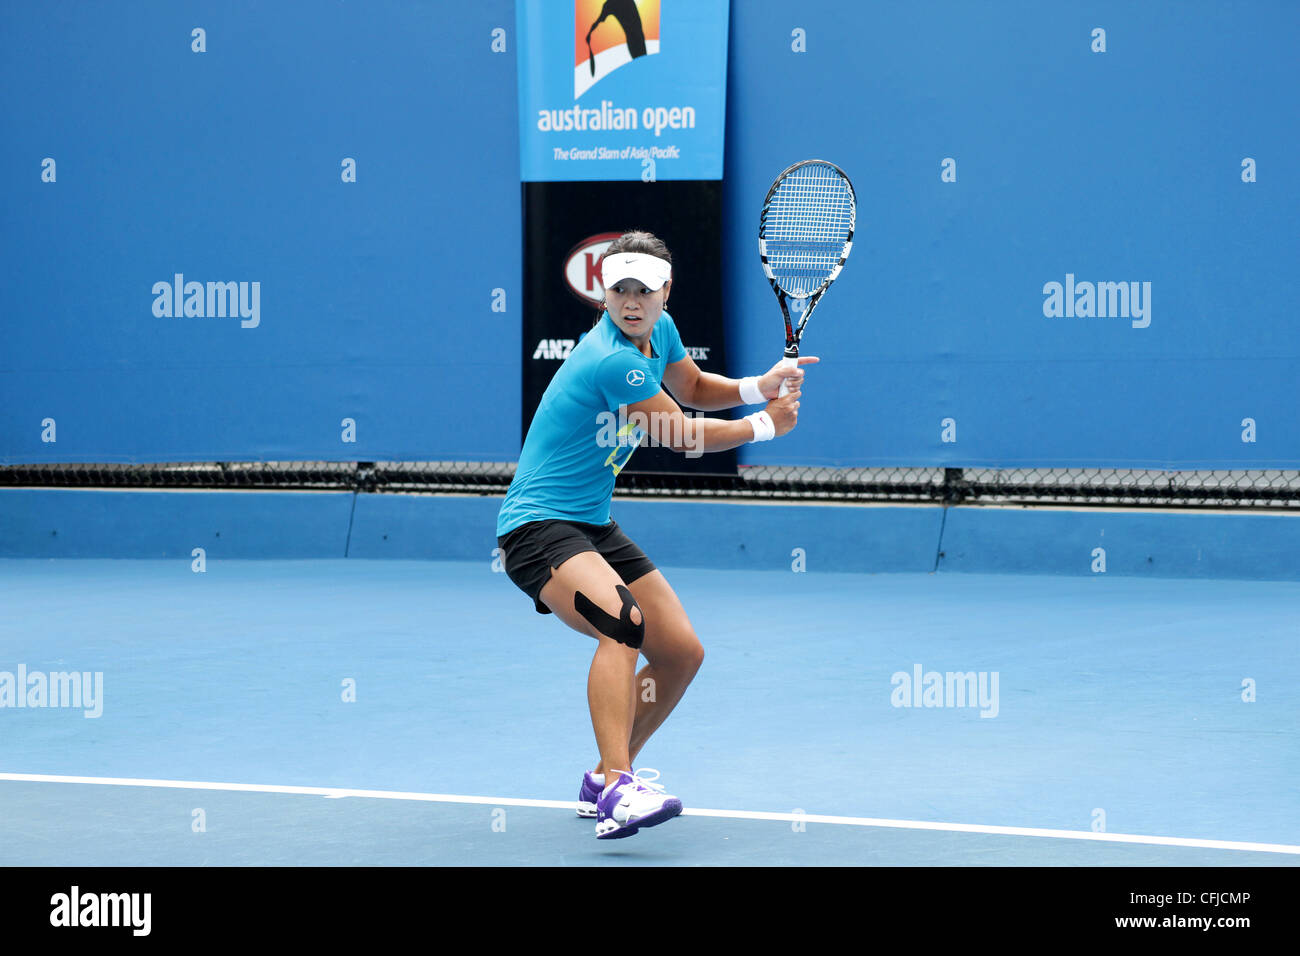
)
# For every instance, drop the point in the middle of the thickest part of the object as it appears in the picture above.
(621, 128)
(630, 90)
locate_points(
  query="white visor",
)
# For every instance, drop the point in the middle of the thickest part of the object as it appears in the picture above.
(651, 271)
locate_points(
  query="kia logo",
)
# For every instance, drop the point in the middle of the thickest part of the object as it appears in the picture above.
(582, 267)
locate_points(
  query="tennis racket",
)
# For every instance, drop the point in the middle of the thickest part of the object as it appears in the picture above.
(804, 237)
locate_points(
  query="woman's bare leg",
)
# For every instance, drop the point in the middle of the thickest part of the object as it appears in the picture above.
(611, 682)
(673, 653)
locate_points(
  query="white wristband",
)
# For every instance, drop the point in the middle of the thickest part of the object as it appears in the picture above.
(749, 392)
(761, 422)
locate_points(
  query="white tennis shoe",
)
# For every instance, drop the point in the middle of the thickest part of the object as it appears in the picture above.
(631, 802)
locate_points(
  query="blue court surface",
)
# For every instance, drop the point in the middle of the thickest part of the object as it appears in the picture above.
(1115, 721)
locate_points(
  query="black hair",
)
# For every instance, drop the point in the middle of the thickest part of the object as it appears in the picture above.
(635, 241)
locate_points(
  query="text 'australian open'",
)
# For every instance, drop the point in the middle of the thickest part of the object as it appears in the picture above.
(608, 116)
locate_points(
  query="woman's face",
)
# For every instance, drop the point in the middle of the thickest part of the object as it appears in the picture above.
(633, 307)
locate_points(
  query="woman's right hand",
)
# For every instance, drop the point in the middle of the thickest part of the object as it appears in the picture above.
(784, 411)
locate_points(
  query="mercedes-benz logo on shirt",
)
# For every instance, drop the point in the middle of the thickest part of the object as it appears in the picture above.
(636, 377)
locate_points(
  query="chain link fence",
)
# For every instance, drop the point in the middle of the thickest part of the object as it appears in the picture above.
(1274, 490)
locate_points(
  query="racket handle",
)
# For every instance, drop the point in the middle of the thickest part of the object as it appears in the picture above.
(790, 362)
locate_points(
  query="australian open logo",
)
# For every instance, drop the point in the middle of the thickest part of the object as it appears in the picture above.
(609, 34)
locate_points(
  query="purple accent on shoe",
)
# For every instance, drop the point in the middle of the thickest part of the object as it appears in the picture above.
(618, 834)
(590, 790)
(669, 810)
(588, 794)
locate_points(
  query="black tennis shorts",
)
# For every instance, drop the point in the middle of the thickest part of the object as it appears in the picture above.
(532, 550)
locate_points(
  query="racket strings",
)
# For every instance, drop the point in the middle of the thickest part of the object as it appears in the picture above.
(805, 226)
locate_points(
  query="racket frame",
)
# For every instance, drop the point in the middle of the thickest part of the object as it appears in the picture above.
(790, 358)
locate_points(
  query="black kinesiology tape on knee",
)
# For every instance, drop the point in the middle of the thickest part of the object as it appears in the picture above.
(618, 628)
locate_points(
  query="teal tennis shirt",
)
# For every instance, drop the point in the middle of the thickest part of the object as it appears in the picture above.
(578, 441)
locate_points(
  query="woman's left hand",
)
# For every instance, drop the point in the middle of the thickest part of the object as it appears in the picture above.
(770, 384)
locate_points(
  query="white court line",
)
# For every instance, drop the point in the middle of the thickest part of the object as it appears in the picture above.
(337, 793)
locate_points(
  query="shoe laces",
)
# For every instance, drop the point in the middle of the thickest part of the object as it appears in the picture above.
(644, 783)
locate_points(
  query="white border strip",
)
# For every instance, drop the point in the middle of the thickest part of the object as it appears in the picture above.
(337, 793)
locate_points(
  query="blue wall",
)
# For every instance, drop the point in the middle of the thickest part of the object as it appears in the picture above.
(91, 523)
(1122, 165)
(227, 166)
(376, 297)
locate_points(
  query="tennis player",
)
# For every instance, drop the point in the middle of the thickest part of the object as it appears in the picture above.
(560, 545)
